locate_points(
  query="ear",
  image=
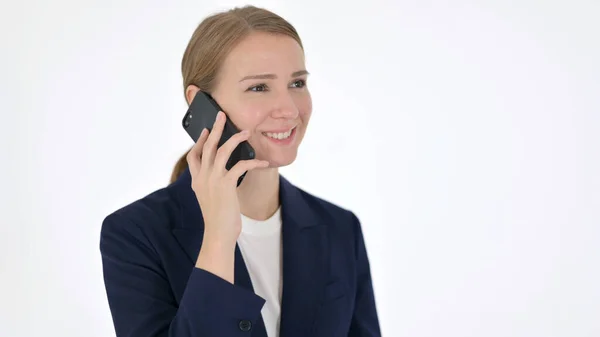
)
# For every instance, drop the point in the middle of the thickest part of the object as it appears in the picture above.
(190, 93)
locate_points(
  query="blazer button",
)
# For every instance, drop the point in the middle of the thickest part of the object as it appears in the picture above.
(245, 325)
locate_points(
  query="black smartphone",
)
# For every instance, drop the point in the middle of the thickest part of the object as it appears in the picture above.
(201, 114)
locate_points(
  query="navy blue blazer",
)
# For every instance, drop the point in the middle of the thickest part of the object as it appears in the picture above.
(149, 250)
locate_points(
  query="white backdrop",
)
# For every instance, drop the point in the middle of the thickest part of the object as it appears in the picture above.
(464, 134)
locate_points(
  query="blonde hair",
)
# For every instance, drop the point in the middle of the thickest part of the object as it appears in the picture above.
(212, 41)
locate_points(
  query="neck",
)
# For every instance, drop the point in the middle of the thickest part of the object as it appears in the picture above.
(258, 194)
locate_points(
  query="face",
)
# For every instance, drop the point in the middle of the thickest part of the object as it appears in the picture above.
(262, 88)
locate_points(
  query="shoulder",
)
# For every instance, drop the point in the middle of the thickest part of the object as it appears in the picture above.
(327, 208)
(333, 215)
(156, 211)
(342, 225)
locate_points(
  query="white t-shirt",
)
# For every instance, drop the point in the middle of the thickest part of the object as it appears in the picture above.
(260, 243)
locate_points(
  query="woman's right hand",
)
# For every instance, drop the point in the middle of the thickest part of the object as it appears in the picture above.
(216, 190)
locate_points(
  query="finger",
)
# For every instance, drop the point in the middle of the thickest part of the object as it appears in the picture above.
(193, 157)
(224, 152)
(245, 165)
(211, 144)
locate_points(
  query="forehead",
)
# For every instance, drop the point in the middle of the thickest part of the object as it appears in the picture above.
(264, 53)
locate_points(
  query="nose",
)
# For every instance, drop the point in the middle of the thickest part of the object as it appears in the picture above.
(285, 107)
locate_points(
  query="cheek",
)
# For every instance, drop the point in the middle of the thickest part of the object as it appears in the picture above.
(247, 116)
(304, 105)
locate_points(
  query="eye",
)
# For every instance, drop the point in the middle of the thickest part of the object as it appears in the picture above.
(259, 87)
(299, 84)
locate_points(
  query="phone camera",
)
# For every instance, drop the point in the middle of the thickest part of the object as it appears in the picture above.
(186, 122)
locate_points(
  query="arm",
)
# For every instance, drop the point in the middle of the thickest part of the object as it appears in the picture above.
(140, 297)
(365, 322)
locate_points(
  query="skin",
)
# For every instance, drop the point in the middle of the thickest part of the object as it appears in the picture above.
(261, 87)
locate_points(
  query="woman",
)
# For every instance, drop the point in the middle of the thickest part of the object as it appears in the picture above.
(204, 258)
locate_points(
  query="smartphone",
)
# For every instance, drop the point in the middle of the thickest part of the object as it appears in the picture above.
(202, 113)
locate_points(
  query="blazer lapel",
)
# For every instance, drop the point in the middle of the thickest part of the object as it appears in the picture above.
(242, 278)
(189, 229)
(305, 254)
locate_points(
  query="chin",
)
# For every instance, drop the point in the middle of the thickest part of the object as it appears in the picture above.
(280, 161)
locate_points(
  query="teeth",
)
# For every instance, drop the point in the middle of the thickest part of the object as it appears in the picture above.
(281, 135)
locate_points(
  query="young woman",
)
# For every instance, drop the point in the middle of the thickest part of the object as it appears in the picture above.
(202, 257)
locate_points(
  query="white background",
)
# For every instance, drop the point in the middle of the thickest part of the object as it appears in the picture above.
(464, 134)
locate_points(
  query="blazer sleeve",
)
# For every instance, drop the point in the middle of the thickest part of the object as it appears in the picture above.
(140, 297)
(365, 322)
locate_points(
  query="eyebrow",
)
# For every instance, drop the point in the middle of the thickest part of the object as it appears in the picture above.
(272, 76)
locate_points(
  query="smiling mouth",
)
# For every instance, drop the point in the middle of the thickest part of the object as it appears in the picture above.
(280, 135)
